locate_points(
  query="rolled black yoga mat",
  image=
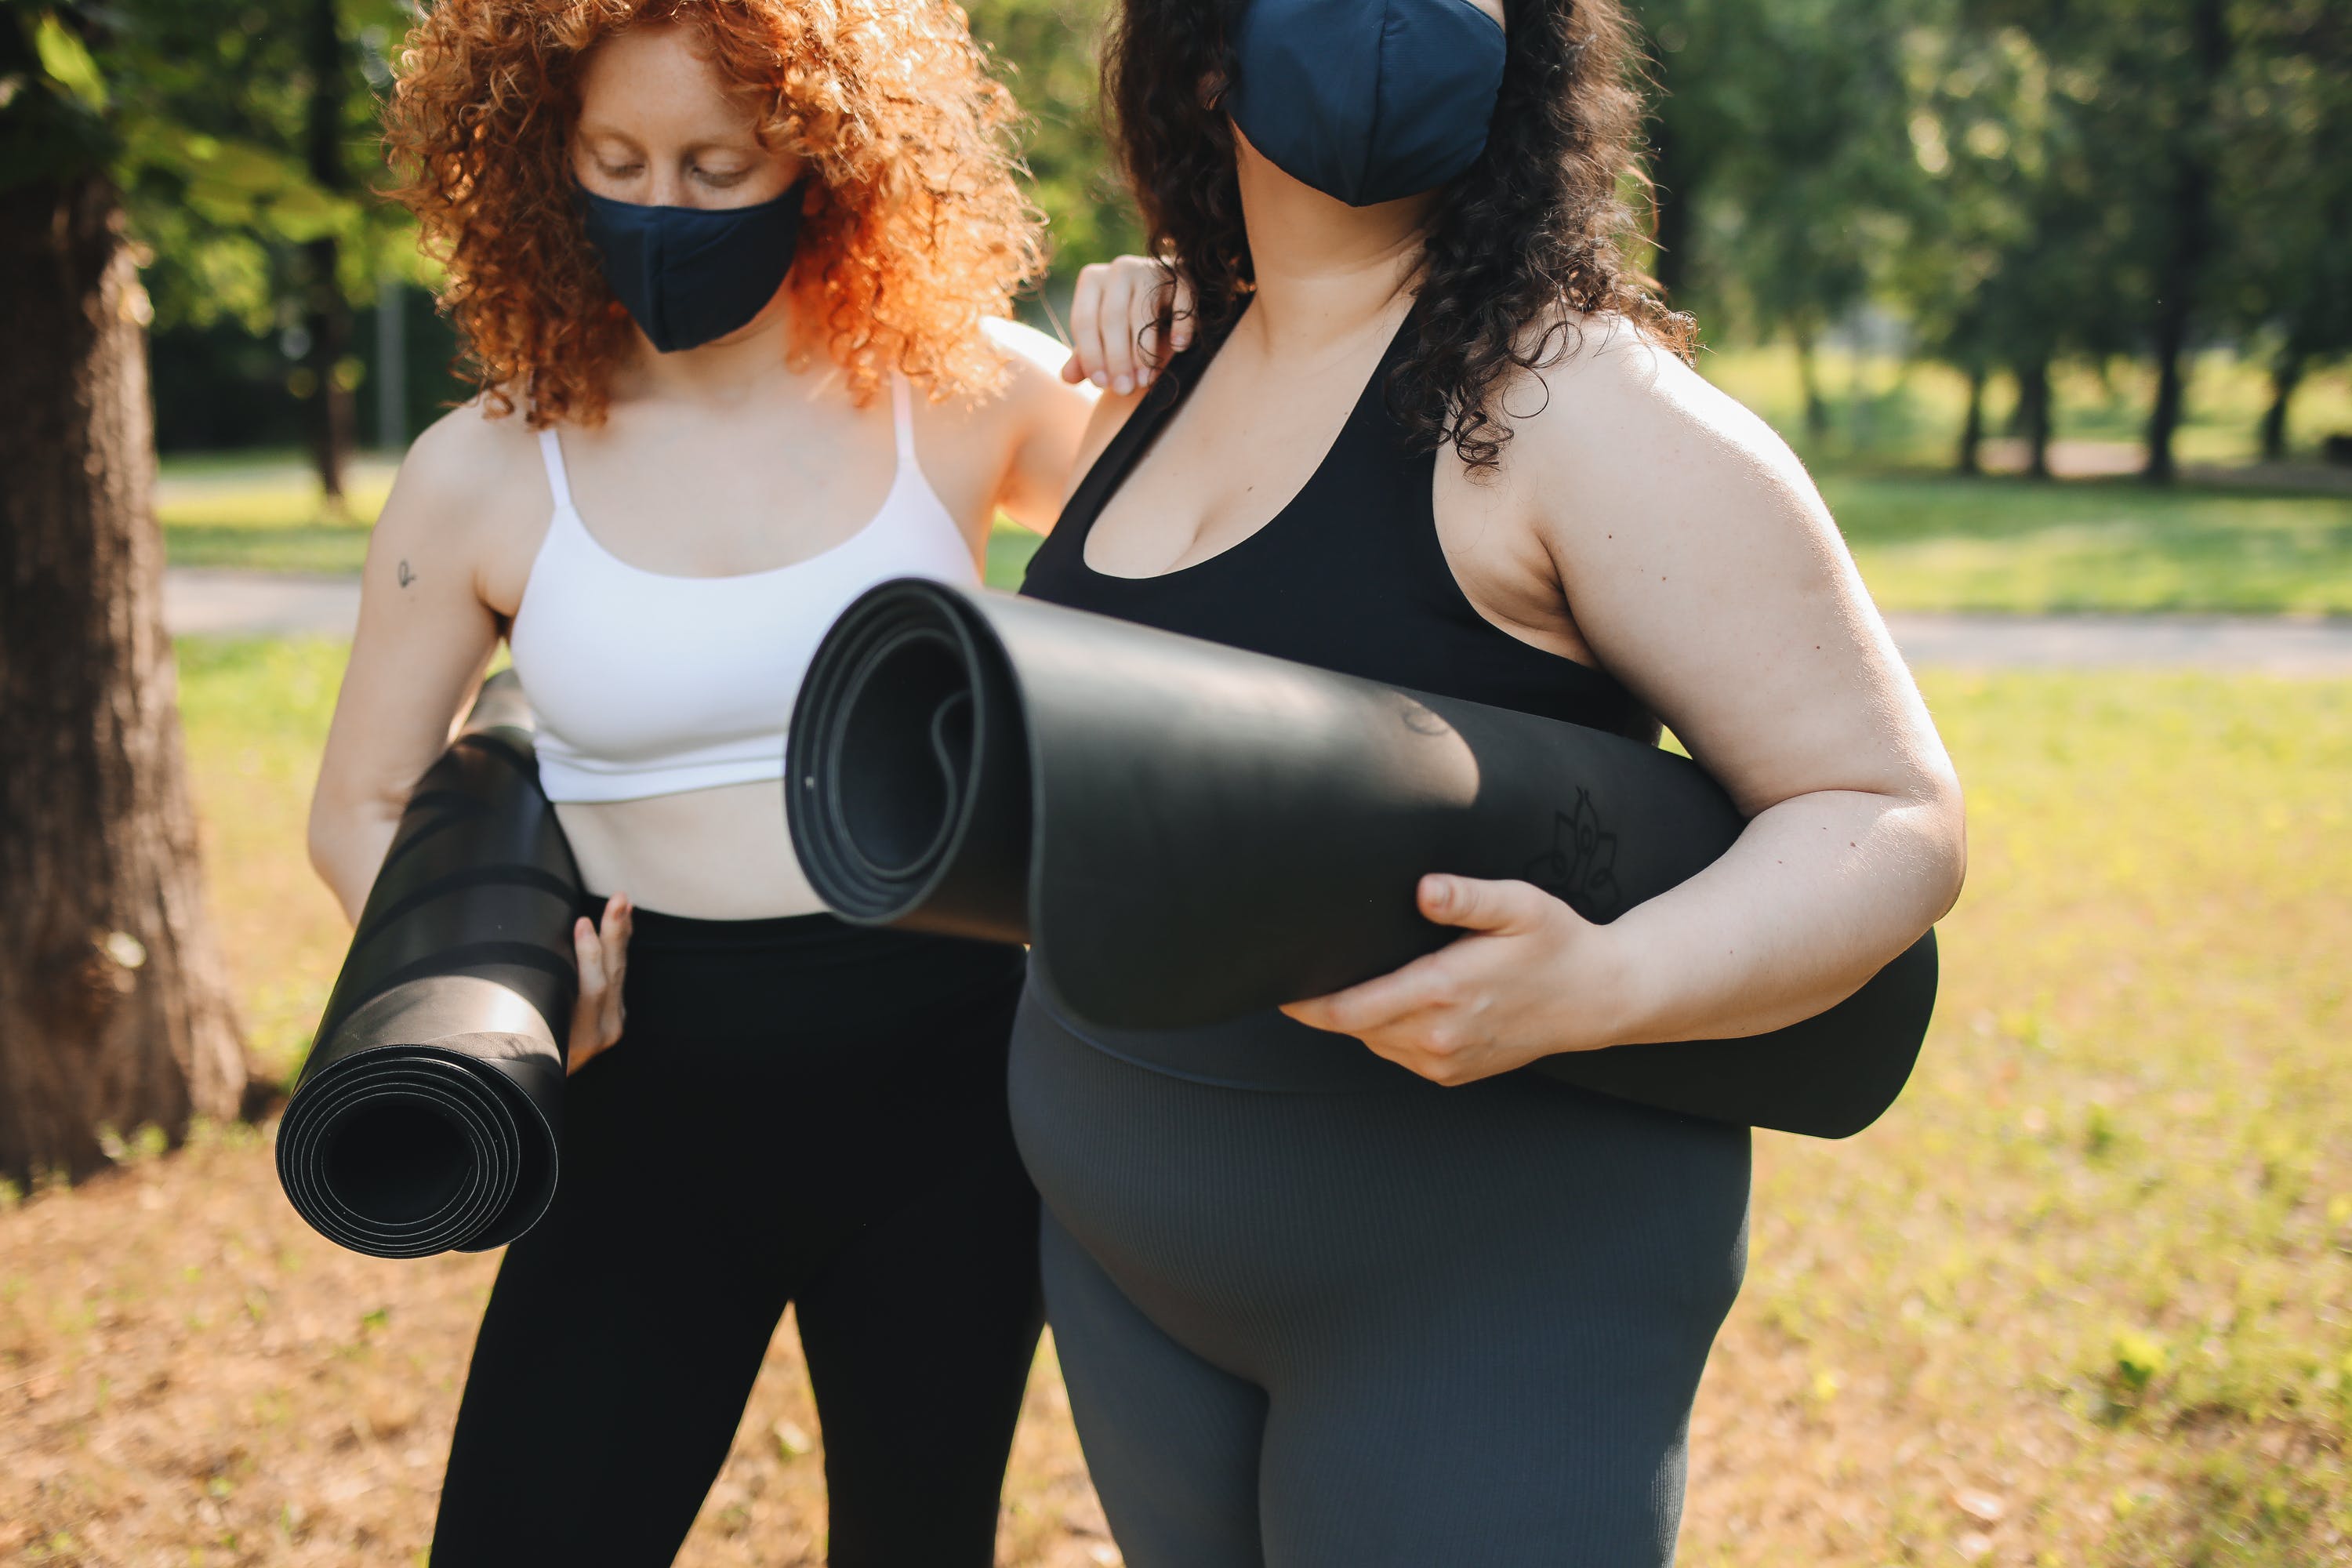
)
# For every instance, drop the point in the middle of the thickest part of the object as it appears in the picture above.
(426, 1117)
(1187, 833)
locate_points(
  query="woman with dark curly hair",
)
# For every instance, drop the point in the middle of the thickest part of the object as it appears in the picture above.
(732, 276)
(1335, 1285)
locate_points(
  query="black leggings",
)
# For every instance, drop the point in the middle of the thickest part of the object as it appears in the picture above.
(798, 1113)
(1392, 1328)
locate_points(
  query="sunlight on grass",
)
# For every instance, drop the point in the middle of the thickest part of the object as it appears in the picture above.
(1933, 542)
(2095, 1266)
(265, 513)
(2080, 1298)
(256, 713)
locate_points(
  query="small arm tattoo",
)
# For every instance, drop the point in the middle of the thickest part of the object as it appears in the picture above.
(404, 575)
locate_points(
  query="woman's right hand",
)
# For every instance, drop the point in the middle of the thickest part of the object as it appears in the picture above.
(1115, 322)
(603, 951)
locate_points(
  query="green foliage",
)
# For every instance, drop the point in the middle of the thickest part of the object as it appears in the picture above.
(1044, 51)
(199, 109)
(2006, 176)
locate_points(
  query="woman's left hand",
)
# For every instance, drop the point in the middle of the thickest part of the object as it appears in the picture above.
(1532, 979)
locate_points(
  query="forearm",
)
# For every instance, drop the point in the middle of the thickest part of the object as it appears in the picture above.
(348, 841)
(1819, 893)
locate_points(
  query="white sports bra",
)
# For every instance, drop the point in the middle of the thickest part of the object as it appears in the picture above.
(645, 684)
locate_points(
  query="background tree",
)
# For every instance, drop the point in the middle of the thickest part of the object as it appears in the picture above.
(2175, 56)
(2286, 198)
(1045, 51)
(1825, 170)
(114, 1010)
(248, 131)
(1708, 97)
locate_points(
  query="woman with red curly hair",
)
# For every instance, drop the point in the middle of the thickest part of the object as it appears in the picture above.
(733, 277)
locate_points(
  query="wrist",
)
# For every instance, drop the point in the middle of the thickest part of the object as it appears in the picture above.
(1613, 992)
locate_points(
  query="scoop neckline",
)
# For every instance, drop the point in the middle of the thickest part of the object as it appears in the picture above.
(1185, 389)
(898, 479)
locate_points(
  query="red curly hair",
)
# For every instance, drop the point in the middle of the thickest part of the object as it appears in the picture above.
(917, 232)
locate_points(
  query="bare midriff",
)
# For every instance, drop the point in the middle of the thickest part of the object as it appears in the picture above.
(717, 854)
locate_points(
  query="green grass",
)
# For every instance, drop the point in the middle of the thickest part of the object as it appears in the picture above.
(256, 714)
(1940, 543)
(2096, 1263)
(2095, 1267)
(263, 512)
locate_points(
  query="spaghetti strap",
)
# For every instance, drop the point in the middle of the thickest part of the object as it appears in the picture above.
(902, 415)
(550, 452)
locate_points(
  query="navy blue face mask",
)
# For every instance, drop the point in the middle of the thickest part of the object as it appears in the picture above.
(691, 274)
(1365, 100)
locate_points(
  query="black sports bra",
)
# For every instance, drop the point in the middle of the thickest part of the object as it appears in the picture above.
(1347, 576)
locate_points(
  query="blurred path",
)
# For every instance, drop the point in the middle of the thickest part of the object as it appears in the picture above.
(225, 600)
(219, 600)
(2259, 643)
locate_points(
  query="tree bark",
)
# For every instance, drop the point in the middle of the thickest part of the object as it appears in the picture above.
(2033, 416)
(2190, 240)
(114, 1006)
(2286, 374)
(329, 314)
(1971, 457)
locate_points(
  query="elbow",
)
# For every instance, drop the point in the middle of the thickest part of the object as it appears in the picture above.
(333, 834)
(1944, 821)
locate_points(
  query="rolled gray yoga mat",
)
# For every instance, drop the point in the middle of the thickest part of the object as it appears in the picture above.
(425, 1118)
(1188, 833)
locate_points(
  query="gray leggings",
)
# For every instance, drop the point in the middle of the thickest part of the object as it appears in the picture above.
(1376, 1329)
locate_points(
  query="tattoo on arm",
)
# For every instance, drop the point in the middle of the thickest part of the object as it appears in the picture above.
(404, 575)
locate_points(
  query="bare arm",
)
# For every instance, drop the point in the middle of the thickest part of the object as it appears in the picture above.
(1046, 416)
(1705, 569)
(424, 636)
(1702, 567)
(1114, 345)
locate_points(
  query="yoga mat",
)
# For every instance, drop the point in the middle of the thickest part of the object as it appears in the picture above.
(1188, 832)
(426, 1117)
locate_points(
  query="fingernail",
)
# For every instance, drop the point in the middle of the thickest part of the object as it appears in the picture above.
(1123, 386)
(1099, 379)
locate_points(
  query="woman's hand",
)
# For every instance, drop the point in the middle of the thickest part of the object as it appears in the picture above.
(603, 951)
(1115, 322)
(1533, 978)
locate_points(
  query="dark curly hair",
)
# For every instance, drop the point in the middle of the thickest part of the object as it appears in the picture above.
(1515, 249)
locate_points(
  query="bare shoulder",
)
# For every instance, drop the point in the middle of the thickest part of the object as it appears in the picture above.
(1034, 392)
(1624, 423)
(1030, 351)
(472, 496)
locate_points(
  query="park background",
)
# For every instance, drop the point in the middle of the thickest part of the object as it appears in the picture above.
(2055, 298)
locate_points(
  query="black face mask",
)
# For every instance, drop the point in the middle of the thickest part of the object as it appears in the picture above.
(691, 274)
(1365, 100)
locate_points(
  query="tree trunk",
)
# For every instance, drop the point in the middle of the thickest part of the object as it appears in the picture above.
(329, 322)
(114, 1009)
(329, 314)
(2286, 374)
(1675, 230)
(2033, 416)
(1970, 459)
(1809, 379)
(2190, 242)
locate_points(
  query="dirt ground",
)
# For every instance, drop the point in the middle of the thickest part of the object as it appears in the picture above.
(188, 1375)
